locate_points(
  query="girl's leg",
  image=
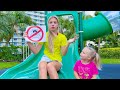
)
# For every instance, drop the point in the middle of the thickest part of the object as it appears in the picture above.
(43, 70)
(52, 69)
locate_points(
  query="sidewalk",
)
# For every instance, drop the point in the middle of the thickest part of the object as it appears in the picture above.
(110, 71)
(2, 71)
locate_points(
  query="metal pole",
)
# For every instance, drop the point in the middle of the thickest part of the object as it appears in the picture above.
(46, 12)
(80, 30)
(26, 52)
(23, 53)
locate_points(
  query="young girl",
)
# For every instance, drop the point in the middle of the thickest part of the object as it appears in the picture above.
(87, 67)
(56, 46)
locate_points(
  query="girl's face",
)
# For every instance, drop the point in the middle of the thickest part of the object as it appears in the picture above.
(53, 24)
(85, 54)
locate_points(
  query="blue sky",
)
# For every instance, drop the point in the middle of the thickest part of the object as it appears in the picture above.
(113, 19)
(110, 13)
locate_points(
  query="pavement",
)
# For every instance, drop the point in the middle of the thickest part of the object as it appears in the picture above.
(2, 71)
(109, 71)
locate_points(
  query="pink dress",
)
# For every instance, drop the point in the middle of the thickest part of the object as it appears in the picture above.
(85, 71)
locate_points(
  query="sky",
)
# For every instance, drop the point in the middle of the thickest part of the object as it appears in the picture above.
(110, 13)
(113, 17)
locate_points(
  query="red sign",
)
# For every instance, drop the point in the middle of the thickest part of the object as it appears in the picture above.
(35, 33)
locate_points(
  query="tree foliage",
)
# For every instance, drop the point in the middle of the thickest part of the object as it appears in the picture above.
(67, 27)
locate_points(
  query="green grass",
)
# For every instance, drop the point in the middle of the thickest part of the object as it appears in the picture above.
(4, 65)
(110, 61)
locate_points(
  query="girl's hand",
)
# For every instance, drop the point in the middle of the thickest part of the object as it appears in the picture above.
(73, 39)
(24, 34)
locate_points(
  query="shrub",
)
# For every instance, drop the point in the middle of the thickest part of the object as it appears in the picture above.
(110, 53)
(11, 53)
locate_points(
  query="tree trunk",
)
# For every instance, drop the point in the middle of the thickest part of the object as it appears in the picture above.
(98, 45)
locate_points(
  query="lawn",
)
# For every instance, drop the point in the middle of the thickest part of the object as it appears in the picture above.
(110, 61)
(4, 65)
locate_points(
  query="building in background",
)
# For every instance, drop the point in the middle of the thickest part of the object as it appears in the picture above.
(17, 40)
(37, 16)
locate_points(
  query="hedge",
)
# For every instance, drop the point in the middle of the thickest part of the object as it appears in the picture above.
(110, 53)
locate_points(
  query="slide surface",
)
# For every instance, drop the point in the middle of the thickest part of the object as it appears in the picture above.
(28, 69)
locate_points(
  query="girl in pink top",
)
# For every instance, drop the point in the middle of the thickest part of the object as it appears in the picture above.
(87, 67)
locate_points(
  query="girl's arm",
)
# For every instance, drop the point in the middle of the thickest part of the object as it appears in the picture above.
(34, 49)
(94, 77)
(76, 75)
(64, 49)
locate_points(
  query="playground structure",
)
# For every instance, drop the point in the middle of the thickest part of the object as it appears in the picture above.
(87, 29)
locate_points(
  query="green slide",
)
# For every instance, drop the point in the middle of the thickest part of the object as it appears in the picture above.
(28, 69)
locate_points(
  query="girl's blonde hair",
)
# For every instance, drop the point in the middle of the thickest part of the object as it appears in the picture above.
(95, 57)
(51, 36)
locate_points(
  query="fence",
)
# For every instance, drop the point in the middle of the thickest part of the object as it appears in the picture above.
(26, 51)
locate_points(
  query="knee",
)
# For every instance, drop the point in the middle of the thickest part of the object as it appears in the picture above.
(49, 66)
(42, 65)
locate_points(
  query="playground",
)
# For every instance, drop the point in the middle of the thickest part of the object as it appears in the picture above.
(87, 29)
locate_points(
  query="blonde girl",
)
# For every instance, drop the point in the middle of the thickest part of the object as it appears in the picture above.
(88, 66)
(55, 47)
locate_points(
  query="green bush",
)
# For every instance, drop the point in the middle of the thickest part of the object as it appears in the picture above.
(110, 53)
(13, 53)
(10, 53)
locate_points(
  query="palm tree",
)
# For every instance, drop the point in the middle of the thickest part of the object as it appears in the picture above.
(68, 26)
(10, 21)
(6, 28)
(112, 40)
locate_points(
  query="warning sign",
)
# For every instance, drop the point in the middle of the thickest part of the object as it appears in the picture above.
(36, 33)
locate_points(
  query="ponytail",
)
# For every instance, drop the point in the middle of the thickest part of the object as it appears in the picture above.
(97, 61)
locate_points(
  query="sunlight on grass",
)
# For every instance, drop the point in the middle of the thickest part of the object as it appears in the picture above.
(4, 65)
(110, 61)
